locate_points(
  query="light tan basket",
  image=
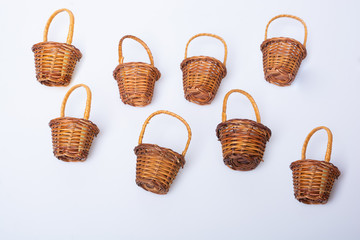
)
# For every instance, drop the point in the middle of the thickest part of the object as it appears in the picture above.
(282, 56)
(313, 179)
(157, 167)
(72, 137)
(55, 62)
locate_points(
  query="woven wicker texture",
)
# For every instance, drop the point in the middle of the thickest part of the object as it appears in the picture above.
(157, 167)
(55, 62)
(72, 137)
(313, 180)
(136, 80)
(243, 141)
(202, 75)
(282, 56)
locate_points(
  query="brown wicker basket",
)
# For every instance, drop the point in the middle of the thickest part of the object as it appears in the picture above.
(202, 75)
(136, 80)
(313, 179)
(156, 166)
(243, 141)
(282, 56)
(55, 62)
(72, 137)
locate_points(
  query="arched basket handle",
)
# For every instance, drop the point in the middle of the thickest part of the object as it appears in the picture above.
(329, 144)
(288, 16)
(71, 25)
(208, 35)
(171, 114)
(88, 100)
(121, 57)
(253, 103)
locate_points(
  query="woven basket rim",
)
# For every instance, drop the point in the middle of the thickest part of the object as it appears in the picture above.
(204, 58)
(88, 122)
(143, 64)
(40, 44)
(239, 121)
(180, 158)
(284, 39)
(316, 162)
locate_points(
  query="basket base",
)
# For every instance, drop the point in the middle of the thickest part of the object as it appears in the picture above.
(242, 162)
(279, 77)
(152, 185)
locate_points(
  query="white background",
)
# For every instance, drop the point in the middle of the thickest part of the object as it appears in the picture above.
(44, 198)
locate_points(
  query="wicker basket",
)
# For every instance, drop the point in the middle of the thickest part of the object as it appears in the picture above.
(282, 56)
(136, 80)
(313, 179)
(157, 167)
(72, 137)
(55, 62)
(243, 141)
(202, 75)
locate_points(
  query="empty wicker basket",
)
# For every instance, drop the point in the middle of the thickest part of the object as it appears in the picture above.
(202, 75)
(243, 141)
(55, 62)
(282, 56)
(156, 166)
(136, 80)
(313, 179)
(72, 137)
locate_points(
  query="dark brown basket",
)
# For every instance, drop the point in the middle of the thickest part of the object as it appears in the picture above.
(72, 137)
(136, 80)
(282, 56)
(157, 167)
(202, 75)
(243, 141)
(55, 62)
(313, 180)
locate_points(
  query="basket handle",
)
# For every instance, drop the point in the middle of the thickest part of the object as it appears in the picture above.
(71, 25)
(121, 57)
(209, 35)
(329, 144)
(88, 100)
(288, 16)
(253, 103)
(171, 114)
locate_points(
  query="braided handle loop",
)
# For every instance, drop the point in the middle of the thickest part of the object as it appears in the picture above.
(121, 57)
(329, 144)
(253, 103)
(208, 35)
(88, 100)
(288, 16)
(171, 114)
(71, 25)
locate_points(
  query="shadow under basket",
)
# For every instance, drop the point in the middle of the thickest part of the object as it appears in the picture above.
(55, 62)
(313, 180)
(72, 138)
(156, 167)
(243, 143)
(282, 56)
